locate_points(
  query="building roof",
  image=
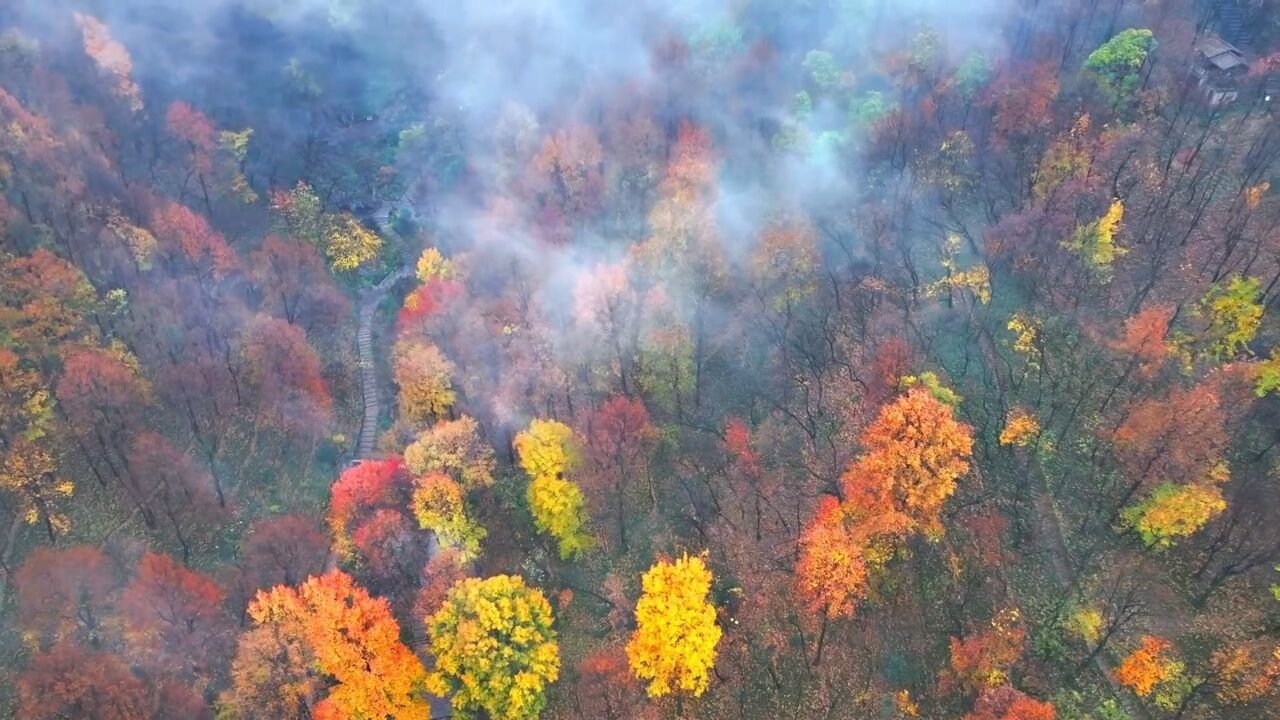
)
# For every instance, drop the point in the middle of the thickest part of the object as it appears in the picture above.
(1220, 53)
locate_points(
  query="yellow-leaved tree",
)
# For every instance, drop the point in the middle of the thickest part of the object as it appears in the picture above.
(495, 648)
(1234, 310)
(455, 448)
(1175, 511)
(1096, 243)
(547, 448)
(674, 645)
(344, 241)
(440, 506)
(433, 265)
(348, 244)
(548, 451)
(422, 374)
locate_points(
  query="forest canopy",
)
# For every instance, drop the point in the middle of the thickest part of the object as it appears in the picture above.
(594, 361)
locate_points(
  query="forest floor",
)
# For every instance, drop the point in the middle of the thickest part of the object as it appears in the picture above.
(1050, 531)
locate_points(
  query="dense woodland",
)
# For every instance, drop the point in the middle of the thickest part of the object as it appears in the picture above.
(836, 359)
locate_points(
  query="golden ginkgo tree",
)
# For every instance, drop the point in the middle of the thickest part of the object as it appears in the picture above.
(674, 645)
(548, 452)
(495, 648)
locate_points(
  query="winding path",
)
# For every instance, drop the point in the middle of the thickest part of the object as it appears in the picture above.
(1065, 573)
(441, 708)
(369, 300)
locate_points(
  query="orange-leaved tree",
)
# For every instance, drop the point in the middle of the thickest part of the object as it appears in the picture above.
(273, 675)
(831, 574)
(982, 659)
(1147, 666)
(1246, 671)
(1008, 703)
(354, 640)
(914, 452)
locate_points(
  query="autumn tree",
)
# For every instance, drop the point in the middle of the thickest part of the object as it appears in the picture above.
(26, 405)
(285, 375)
(439, 504)
(71, 682)
(982, 659)
(833, 568)
(785, 264)
(29, 476)
(66, 594)
(618, 440)
(547, 452)
(347, 244)
(674, 644)
(441, 284)
(1007, 703)
(283, 550)
(1178, 438)
(1178, 442)
(1145, 339)
(104, 396)
(684, 241)
(1245, 672)
(427, 302)
(1147, 666)
(1174, 511)
(495, 648)
(111, 58)
(173, 620)
(445, 569)
(1095, 242)
(1233, 311)
(272, 675)
(455, 448)
(606, 683)
(185, 240)
(423, 374)
(606, 306)
(353, 639)
(45, 306)
(294, 284)
(914, 452)
(199, 139)
(176, 488)
(566, 175)
(360, 494)
(1021, 100)
(1020, 428)
(391, 550)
